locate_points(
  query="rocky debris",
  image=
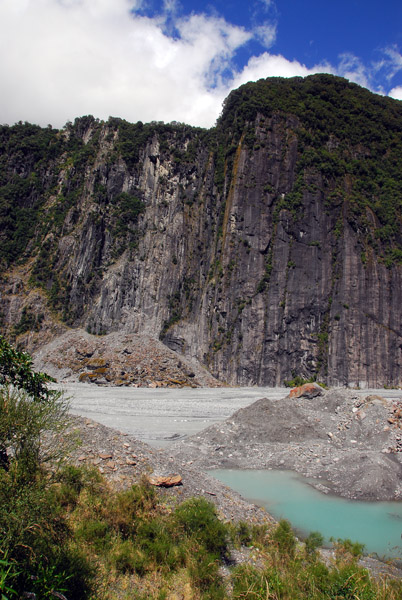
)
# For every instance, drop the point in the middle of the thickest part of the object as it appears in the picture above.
(376, 567)
(396, 418)
(119, 359)
(99, 444)
(345, 443)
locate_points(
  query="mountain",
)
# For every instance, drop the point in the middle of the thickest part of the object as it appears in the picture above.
(266, 248)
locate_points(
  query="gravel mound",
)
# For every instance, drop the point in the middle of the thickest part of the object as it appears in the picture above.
(124, 460)
(349, 445)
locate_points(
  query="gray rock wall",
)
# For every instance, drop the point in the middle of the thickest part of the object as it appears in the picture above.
(260, 276)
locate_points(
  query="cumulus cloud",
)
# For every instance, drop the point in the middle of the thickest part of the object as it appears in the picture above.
(396, 93)
(65, 58)
(275, 65)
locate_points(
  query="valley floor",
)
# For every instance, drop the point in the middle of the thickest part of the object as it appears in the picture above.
(124, 460)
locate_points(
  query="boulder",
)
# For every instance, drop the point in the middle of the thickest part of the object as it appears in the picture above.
(165, 481)
(307, 390)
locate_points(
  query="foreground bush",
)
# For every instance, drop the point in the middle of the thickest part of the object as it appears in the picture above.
(76, 537)
(291, 571)
(134, 536)
(31, 414)
(36, 558)
(34, 536)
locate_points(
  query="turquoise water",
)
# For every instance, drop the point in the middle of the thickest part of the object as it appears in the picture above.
(284, 494)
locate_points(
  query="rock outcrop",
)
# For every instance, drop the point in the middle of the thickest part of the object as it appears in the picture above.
(266, 248)
(308, 390)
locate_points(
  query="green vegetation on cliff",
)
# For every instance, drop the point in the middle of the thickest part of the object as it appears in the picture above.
(350, 136)
(25, 153)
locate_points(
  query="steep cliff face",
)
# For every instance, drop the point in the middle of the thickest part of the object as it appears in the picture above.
(266, 248)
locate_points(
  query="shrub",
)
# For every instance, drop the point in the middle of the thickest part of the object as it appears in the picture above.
(345, 548)
(33, 531)
(8, 575)
(312, 542)
(242, 533)
(25, 428)
(71, 481)
(350, 583)
(204, 572)
(126, 558)
(249, 582)
(197, 518)
(29, 412)
(284, 538)
(298, 381)
(94, 531)
(161, 545)
(127, 508)
(16, 370)
(35, 535)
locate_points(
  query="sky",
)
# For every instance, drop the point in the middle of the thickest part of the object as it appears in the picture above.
(176, 60)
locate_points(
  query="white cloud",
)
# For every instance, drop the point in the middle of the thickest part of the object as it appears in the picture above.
(352, 68)
(64, 58)
(394, 62)
(266, 34)
(270, 65)
(396, 93)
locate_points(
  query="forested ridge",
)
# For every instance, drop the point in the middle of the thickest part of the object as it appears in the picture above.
(343, 130)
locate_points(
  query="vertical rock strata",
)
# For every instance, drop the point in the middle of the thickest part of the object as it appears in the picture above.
(259, 248)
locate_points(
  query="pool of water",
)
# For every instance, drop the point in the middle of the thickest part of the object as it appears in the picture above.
(284, 494)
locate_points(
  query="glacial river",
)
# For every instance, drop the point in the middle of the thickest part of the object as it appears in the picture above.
(160, 416)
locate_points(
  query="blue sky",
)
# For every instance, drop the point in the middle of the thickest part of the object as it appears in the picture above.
(312, 31)
(177, 60)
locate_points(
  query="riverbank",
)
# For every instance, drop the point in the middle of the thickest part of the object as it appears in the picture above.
(124, 460)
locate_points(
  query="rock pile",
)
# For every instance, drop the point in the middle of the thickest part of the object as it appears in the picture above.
(119, 359)
(124, 460)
